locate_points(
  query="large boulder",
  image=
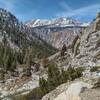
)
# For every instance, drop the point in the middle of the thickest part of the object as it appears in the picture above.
(73, 91)
(68, 91)
(92, 94)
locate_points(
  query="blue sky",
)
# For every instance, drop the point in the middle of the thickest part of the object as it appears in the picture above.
(83, 10)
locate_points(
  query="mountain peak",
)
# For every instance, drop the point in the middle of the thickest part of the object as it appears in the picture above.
(57, 22)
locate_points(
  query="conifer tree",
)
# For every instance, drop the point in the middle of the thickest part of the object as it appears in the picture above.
(63, 50)
(54, 75)
(43, 85)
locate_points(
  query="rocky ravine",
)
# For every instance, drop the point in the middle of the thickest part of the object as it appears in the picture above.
(18, 86)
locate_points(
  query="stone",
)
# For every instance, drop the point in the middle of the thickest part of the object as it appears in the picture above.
(68, 91)
(73, 91)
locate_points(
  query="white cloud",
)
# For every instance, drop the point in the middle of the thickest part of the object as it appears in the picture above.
(81, 12)
(65, 6)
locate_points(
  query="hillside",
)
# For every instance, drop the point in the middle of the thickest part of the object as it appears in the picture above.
(32, 69)
(19, 45)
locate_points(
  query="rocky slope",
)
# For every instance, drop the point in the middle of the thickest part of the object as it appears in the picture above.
(17, 35)
(84, 49)
(76, 90)
(18, 44)
(89, 48)
(91, 94)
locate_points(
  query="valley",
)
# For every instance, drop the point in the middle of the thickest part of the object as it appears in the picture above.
(54, 59)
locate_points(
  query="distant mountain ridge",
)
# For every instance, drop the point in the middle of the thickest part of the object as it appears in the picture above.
(57, 31)
(57, 22)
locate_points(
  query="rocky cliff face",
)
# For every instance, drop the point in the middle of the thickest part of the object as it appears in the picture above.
(84, 49)
(58, 36)
(77, 90)
(89, 47)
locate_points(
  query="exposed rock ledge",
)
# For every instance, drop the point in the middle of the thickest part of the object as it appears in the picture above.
(73, 91)
(68, 91)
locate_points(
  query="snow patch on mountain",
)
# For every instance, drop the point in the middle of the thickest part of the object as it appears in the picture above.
(57, 22)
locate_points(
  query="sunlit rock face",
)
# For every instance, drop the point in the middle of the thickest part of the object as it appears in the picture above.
(69, 91)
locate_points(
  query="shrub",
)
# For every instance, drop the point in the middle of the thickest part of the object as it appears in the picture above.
(21, 97)
(79, 71)
(94, 69)
(64, 76)
(54, 74)
(63, 50)
(55, 78)
(35, 94)
(2, 75)
(43, 85)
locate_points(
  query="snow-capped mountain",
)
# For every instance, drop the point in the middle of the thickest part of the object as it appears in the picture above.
(58, 22)
(57, 31)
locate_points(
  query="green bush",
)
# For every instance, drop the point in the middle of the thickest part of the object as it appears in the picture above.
(35, 94)
(43, 85)
(2, 75)
(63, 50)
(64, 76)
(79, 71)
(55, 78)
(21, 97)
(94, 69)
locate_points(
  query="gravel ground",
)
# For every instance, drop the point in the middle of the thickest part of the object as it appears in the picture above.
(92, 94)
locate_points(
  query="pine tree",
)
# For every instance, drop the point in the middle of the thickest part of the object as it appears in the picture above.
(53, 75)
(64, 76)
(43, 85)
(28, 61)
(44, 62)
(63, 50)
